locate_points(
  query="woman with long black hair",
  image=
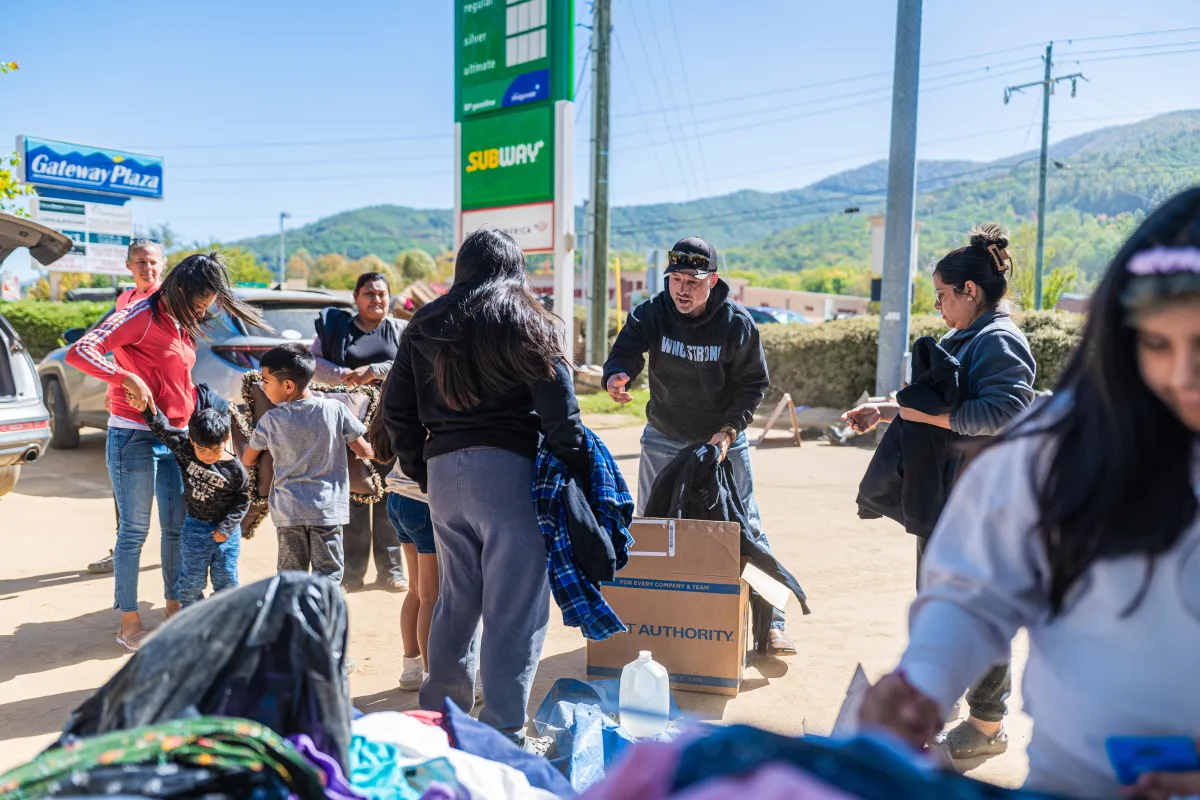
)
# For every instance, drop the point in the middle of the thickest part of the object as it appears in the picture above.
(479, 373)
(154, 342)
(1081, 525)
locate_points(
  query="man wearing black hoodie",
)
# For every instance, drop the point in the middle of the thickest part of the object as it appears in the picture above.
(708, 376)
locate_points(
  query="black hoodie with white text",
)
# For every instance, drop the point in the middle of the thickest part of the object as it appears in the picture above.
(706, 372)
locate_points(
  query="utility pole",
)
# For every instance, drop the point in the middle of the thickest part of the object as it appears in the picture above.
(599, 228)
(1047, 85)
(896, 294)
(282, 258)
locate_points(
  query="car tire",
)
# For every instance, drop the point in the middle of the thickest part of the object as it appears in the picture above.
(8, 478)
(64, 433)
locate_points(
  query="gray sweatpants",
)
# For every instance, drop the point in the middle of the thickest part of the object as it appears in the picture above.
(492, 562)
(317, 545)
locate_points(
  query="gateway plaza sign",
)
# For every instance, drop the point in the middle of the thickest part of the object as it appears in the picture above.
(89, 169)
(514, 128)
(83, 191)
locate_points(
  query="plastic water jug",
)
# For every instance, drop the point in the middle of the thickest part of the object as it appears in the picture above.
(645, 699)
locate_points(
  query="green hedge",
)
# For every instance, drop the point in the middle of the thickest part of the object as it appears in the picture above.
(833, 363)
(41, 324)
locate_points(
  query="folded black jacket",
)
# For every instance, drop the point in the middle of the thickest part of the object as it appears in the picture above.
(913, 469)
(272, 652)
(696, 486)
(705, 372)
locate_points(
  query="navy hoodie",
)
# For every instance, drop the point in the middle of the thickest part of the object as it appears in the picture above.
(705, 372)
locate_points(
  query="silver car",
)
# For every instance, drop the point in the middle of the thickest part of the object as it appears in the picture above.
(231, 350)
(24, 423)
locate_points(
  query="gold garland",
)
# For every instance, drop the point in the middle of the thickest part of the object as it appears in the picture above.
(244, 417)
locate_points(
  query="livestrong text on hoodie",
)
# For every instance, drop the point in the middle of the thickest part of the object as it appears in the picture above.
(705, 372)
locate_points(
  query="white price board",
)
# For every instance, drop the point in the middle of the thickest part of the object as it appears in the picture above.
(100, 232)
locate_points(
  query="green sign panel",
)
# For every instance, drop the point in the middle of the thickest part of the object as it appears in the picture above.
(510, 53)
(508, 159)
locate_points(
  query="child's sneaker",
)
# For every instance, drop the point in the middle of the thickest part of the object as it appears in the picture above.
(413, 674)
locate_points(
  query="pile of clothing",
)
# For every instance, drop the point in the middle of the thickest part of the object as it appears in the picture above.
(740, 761)
(245, 696)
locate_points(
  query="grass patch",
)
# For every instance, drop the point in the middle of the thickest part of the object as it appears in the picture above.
(601, 403)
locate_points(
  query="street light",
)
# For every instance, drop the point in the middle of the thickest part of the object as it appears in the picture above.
(282, 263)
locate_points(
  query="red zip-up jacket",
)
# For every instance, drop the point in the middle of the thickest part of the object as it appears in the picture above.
(156, 350)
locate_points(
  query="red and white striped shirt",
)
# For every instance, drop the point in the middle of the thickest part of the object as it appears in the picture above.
(155, 349)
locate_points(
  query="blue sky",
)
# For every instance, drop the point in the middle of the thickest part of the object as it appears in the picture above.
(314, 108)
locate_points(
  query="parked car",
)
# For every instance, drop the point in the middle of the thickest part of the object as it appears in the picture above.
(770, 315)
(231, 350)
(24, 422)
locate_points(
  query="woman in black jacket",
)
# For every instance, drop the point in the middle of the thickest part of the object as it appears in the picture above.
(479, 374)
(996, 384)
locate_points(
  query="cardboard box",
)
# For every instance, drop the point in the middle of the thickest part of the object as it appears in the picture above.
(683, 598)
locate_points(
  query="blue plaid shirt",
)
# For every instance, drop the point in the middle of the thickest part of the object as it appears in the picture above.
(582, 604)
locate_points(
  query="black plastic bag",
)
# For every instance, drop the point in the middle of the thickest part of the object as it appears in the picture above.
(272, 652)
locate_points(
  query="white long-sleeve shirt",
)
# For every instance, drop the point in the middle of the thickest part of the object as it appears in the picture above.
(1091, 673)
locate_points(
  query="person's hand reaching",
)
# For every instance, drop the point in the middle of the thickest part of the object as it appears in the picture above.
(863, 418)
(361, 376)
(894, 705)
(618, 388)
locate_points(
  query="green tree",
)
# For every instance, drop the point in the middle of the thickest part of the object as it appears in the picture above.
(414, 265)
(300, 265)
(332, 271)
(243, 267)
(10, 189)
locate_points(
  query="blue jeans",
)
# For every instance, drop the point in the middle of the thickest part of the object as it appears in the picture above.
(658, 451)
(142, 469)
(200, 553)
(411, 520)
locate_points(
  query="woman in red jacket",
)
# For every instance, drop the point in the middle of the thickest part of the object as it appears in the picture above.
(154, 342)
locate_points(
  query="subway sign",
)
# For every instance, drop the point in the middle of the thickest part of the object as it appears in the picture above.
(508, 159)
(61, 165)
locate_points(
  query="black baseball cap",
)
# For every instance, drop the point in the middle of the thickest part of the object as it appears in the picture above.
(692, 256)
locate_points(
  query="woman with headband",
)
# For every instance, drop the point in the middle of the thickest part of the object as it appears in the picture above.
(970, 285)
(1081, 526)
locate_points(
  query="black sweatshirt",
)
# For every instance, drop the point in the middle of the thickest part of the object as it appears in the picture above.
(217, 493)
(421, 426)
(706, 372)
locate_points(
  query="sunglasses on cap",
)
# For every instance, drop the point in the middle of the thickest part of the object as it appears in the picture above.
(700, 263)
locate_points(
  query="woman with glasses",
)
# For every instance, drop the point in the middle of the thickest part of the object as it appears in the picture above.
(997, 370)
(154, 342)
(357, 350)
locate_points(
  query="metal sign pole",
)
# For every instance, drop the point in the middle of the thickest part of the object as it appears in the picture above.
(564, 221)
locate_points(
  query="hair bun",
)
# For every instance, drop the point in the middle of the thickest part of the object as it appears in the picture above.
(983, 236)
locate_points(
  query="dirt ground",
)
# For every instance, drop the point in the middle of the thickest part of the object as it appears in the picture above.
(57, 630)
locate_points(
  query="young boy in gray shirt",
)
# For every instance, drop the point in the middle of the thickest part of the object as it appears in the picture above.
(310, 493)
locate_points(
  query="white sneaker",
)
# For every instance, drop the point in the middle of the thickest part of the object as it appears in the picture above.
(413, 674)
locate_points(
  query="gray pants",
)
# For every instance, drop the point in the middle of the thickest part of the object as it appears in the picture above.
(492, 562)
(658, 451)
(370, 530)
(318, 546)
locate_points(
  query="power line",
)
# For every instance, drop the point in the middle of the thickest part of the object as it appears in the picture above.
(819, 112)
(637, 28)
(637, 98)
(293, 143)
(1136, 55)
(1126, 49)
(1129, 35)
(687, 90)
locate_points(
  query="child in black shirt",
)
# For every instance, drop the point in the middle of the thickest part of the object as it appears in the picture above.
(216, 491)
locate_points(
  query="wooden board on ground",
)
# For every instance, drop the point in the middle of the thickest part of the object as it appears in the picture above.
(784, 402)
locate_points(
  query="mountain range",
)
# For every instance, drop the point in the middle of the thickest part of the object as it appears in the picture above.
(1108, 173)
